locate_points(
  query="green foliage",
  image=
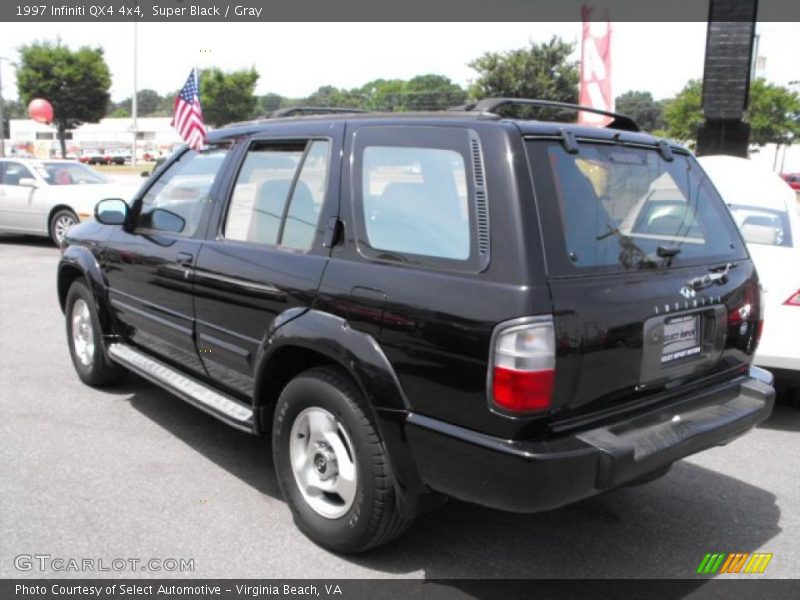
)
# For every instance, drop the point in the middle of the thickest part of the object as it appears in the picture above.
(773, 113)
(268, 103)
(227, 97)
(432, 92)
(76, 82)
(120, 112)
(683, 114)
(541, 71)
(647, 112)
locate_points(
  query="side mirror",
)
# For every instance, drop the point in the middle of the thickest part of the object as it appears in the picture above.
(166, 220)
(111, 211)
(28, 182)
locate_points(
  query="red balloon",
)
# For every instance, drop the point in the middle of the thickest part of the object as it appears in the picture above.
(40, 110)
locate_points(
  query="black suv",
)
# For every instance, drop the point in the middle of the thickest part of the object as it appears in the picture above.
(513, 312)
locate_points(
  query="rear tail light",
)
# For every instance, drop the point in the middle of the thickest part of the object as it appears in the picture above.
(748, 315)
(522, 368)
(793, 300)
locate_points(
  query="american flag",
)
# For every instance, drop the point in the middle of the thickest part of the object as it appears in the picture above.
(187, 115)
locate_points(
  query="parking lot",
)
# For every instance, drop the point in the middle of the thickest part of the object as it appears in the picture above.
(133, 472)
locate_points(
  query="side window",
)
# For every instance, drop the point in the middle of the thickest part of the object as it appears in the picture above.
(177, 200)
(278, 194)
(13, 172)
(415, 201)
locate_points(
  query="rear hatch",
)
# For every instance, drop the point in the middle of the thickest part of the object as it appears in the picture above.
(652, 288)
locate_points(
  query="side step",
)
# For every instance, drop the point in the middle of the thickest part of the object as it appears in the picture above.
(215, 403)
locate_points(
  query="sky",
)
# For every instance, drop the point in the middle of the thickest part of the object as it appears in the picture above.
(294, 59)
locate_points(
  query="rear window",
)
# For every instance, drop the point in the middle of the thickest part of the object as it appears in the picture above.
(762, 225)
(622, 208)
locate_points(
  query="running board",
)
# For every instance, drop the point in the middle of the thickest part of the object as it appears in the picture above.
(215, 403)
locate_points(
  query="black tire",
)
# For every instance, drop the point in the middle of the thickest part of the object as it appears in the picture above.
(99, 371)
(373, 519)
(59, 221)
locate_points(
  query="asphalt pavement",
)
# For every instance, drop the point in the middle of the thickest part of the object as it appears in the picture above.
(135, 473)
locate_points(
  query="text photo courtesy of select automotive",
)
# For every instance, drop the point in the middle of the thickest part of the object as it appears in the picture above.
(480, 310)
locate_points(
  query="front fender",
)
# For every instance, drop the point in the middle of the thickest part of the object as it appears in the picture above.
(79, 262)
(362, 357)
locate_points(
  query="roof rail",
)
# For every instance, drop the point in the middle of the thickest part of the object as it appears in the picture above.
(293, 111)
(490, 105)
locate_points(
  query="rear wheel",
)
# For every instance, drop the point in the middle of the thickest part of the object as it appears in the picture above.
(85, 340)
(331, 465)
(60, 223)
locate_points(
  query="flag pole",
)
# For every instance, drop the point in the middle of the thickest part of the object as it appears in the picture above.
(134, 102)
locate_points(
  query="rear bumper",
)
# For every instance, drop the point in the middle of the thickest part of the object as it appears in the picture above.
(525, 476)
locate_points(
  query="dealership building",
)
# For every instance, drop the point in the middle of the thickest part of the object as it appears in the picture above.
(154, 135)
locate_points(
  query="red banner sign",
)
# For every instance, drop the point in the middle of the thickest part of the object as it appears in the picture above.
(595, 90)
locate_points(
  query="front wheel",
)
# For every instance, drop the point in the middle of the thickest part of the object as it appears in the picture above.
(85, 340)
(61, 222)
(331, 465)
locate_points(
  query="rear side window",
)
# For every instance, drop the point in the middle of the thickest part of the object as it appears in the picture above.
(420, 197)
(762, 225)
(415, 201)
(619, 208)
(279, 193)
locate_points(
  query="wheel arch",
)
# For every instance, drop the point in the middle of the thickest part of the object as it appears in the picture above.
(316, 338)
(79, 263)
(54, 210)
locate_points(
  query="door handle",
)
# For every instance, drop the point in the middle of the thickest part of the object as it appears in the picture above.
(185, 259)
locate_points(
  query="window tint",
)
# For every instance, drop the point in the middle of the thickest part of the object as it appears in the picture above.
(618, 205)
(415, 201)
(762, 225)
(259, 211)
(182, 191)
(13, 172)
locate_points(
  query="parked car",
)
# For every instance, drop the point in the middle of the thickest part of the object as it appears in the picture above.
(93, 157)
(765, 210)
(423, 305)
(48, 197)
(793, 179)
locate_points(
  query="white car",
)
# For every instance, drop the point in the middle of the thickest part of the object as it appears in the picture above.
(765, 209)
(47, 197)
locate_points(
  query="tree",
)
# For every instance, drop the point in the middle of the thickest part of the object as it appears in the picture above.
(432, 92)
(268, 103)
(227, 97)
(384, 94)
(645, 111)
(684, 114)
(148, 102)
(75, 83)
(773, 113)
(541, 71)
(328, 95)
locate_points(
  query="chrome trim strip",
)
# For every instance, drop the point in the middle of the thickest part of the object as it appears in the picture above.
(188, 388)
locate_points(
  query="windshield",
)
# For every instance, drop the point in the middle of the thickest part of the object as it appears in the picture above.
(626, 208)
(69, 173)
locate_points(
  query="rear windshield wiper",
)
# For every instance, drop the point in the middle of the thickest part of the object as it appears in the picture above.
(631, 253)
(668, 251)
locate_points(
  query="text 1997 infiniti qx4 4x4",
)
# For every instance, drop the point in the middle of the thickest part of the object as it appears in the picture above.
(511, 312)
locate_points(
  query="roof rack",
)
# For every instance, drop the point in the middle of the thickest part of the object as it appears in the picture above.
(293, 111)
(490, 105)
